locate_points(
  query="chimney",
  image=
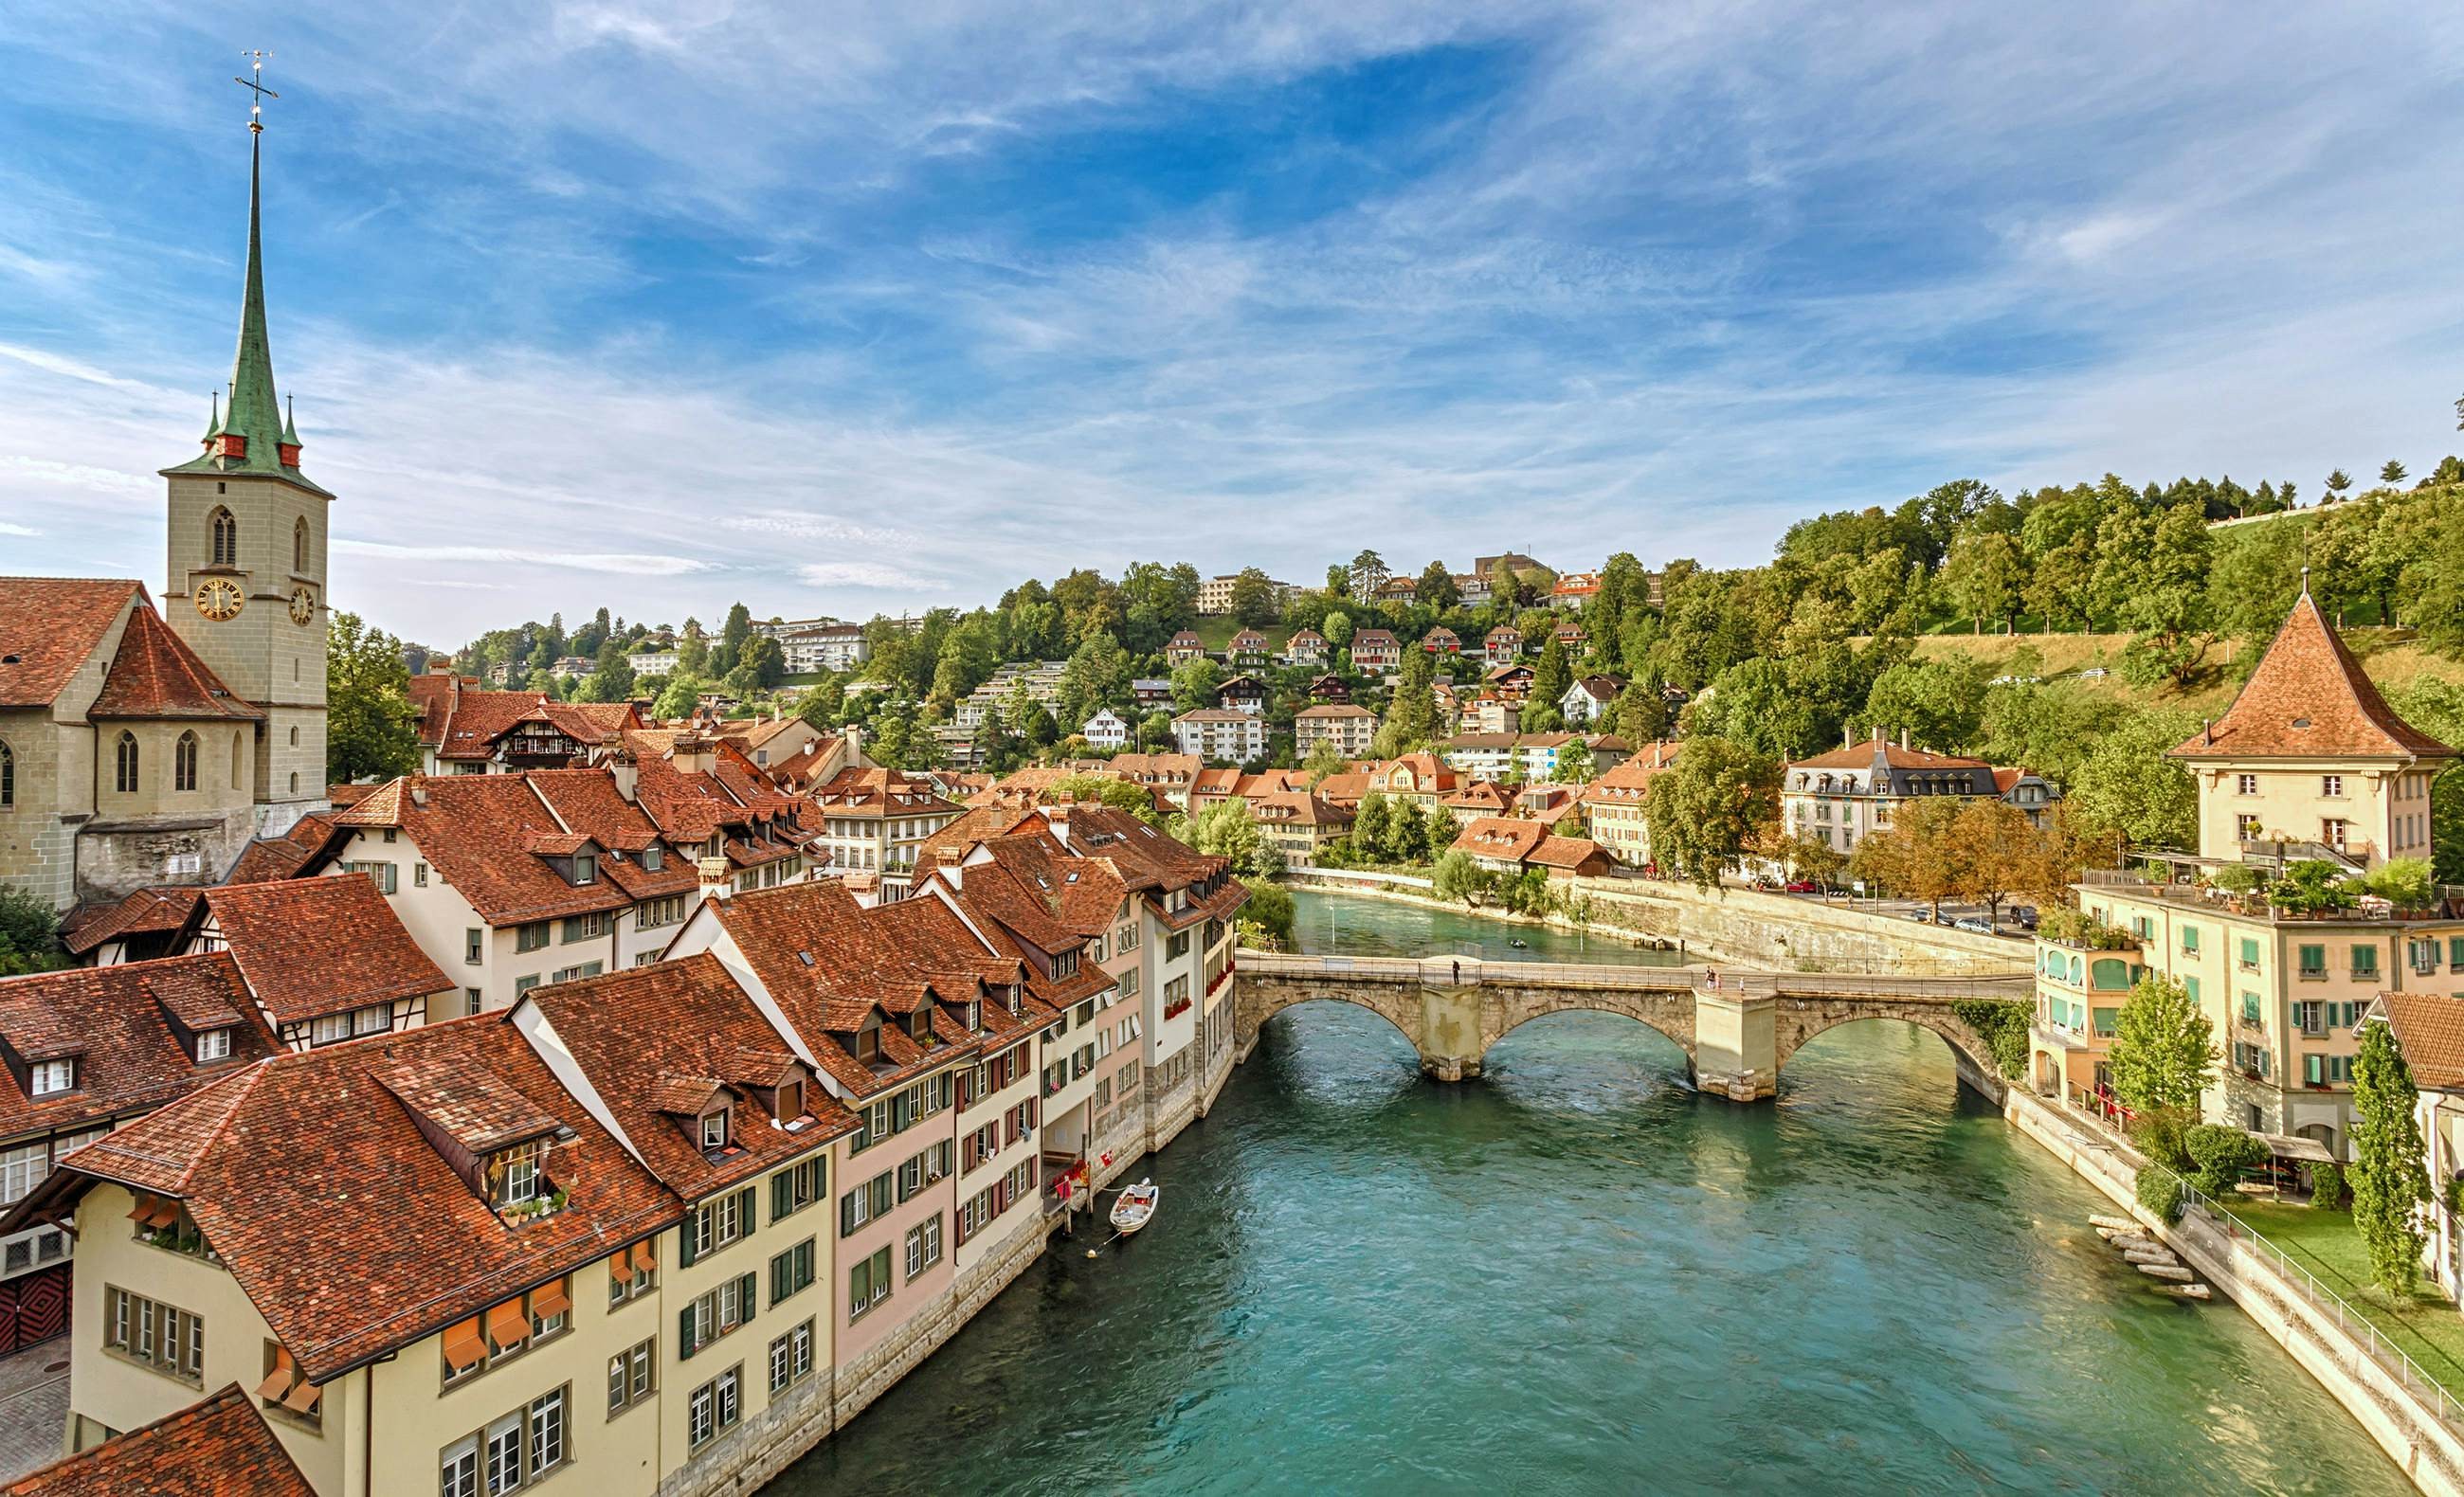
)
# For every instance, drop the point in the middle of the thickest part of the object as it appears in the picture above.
(854, 737)
(1904, 737)
(716, 883)
(2208, 725)
(1847, 734)
(626, 772)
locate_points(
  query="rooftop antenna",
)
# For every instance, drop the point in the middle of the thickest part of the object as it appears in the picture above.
(254, 84)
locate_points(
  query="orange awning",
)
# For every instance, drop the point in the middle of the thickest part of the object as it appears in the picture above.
(643, 1260)
(463, 1348)
(276, 1384)
(507, 1325)
(304, 1397)
(550, 1301)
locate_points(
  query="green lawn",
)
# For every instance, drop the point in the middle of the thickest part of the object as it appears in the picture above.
(2427, 1329)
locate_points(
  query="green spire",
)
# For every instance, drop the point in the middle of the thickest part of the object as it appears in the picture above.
(290, 432)
(255, 411)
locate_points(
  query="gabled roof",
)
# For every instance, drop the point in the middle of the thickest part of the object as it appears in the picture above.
(288, 855)
(157, 911)
(475, 828)
(50, 625)
(2429, 1029)
(678, 1027)
(154, 675)
(2309, 698)
(310, 947)
(117, 1021)
(347, 1229)
(1631, 779)
(218, 1446)
(588, 800)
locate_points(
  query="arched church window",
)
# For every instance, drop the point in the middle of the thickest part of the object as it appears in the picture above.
(226, 537)
(300, 546)
(7, 776)
(184, 762)
(126, 779)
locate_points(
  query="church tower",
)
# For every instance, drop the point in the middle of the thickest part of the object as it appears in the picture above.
(246, 583)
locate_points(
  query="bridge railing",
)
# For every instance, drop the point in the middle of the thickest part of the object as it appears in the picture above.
(1474, 972)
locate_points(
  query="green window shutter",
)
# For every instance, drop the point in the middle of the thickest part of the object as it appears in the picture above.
(778, 1196)
(747, 1202)
(2313, 958)
(685, 1346)
(2249, 952)
(846, 1215)
(777, 1278)
(685, 1254)
(2311, 1070)
(2190, 987)
(745, 1289)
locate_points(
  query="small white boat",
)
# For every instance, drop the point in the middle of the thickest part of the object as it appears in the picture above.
(1136, 1208)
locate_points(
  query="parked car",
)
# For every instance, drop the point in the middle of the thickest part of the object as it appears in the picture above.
(1945, 919)
(2024, 917)
(1921, 916)
(1974, 922)
(1803, 886)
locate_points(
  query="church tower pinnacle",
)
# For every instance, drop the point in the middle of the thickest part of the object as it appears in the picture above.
(245, 586)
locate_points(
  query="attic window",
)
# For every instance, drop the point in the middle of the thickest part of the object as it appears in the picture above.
(585, 868)
(2302, 722)
(213, 1044)
(651, 857)
(49, 1078)
(713, 1129)
(975, 1013)
(518, 1173)
(919, 1023)
(805, 956)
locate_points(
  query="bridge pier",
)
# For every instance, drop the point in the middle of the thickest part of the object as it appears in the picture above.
(1450, 1041)
(1736, 1044)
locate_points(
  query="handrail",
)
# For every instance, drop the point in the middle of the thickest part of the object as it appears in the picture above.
(1475, 970)
(2394, 1359)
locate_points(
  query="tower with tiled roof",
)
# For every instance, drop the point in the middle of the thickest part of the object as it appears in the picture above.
(245, 584)
(2310, 760)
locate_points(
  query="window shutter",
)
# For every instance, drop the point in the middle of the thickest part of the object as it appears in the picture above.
(685, 1254)
(2310, 1068)
(745, 1200)
(778, 1196)
(745, 1290)
(685, 1346)
(846, 1215)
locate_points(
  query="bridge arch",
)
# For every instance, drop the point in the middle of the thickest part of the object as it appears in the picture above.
(1669, 1015)
(1796, 1022)
(1259, 1003)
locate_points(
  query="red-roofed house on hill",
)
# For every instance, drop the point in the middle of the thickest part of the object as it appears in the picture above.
(1841, 797)
(1375, 651)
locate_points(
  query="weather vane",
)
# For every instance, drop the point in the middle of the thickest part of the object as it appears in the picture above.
(254, 84)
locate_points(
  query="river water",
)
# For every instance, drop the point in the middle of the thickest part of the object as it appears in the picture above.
(1575, 1276)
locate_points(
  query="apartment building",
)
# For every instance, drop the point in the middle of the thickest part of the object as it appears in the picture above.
(876, 820)
(1224, 735)
(1849, 793)
(1350, 728)
(1375, 651)
(2311, 743)
(1613, 805)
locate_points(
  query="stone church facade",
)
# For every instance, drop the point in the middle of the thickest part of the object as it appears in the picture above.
(140, 747)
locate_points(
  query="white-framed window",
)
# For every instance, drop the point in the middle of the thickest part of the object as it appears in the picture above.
(503, 1444)
(213, 1044)
(2331, 785)
(713, 1129)
(631, 1377)
(791, 1357)
(547, 1434)
(459, 1469)
(46, 1077)
(923, 1245)
(22, 1169)
(713, 1407)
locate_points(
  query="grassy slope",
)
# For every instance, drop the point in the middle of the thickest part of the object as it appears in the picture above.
(2427, 1328)
(2391, 663)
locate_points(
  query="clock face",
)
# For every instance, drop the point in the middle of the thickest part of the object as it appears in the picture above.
(303, 605)
(219, 598)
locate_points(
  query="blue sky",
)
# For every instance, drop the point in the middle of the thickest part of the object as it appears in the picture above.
(875, 307)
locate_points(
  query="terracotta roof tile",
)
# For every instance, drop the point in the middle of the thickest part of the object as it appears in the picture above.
(310, 947)
(347, 1229)
(2309, 698)
(475, 828)
(116, 1022)
(218, 1446)
(50, 625)
(155, 674)
(2430, 1029)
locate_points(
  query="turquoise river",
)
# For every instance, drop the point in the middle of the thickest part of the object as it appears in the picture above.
(1576, 1276)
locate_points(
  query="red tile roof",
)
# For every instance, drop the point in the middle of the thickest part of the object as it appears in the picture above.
(154, 675)
(2309, 698)
(1870, 753)
(474, 830)
(588, 800)
(678, 1027)
(310, 947)
(347, 1229)
(2430, 1029)
(1502, 838)
(288, 855)
(218, 1446)
(1631, 780)
(50, 625)
(116, 1022)
(159, 910)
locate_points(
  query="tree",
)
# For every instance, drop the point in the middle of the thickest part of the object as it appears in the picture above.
(1194, 683)
(1437, 591)
(29, 934)
(732, 636)
(1412, 713)
(1324, 759)
(1226, 830)
(2164, 1054)
(1552, 677)
(1337, 630)
(2392, 472)
(680, 696)
(1641, 714)
(1121, 795)
(1368, 570)
(1369, 823)
(371, 729)
(1918, 856)
(2389, 1180)
(1457, 876)
(1986, 574)
(2337, 483)
(1937, 702)
(1707, 808)
(1253, 598)
(1268, 913)
(2127, 785)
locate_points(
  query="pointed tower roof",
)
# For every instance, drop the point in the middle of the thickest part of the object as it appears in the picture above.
(2309, 698)
(253, 435)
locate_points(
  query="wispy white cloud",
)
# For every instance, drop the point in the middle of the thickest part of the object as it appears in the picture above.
(8, 528)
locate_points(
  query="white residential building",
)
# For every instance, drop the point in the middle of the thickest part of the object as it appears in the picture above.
(1221, 733)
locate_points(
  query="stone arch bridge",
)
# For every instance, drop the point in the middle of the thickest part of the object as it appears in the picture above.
(1737, 1028)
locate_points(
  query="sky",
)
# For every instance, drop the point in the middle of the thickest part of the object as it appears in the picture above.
(854, 309)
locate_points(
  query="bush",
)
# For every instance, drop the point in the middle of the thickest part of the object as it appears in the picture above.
(2159, 1191)
(2003, 1025)
(2326, 1184)
(29, 934)
(2159, 1137)
(2223, 1154)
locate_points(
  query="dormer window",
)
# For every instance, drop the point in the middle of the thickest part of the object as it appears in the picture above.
(975, 1013)
(517, 1174)
(49, 1078)
(1065, 964)
(653, 857)
(714, 1130)
(919, 1023)
(585, 868)
(868, 1042)
(213, 1044)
